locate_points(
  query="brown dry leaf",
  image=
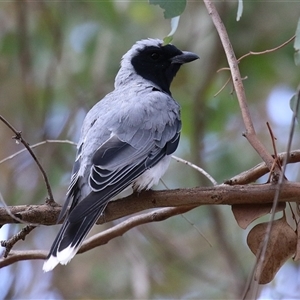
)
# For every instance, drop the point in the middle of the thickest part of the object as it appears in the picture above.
(245, 214)
(282, 245)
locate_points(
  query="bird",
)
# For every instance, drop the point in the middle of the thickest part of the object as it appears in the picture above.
(126, 140)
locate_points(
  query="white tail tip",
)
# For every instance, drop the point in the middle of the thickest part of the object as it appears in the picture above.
(50, 263)
(63, 257)
(66, 255)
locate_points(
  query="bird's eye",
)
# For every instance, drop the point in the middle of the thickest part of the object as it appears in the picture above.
(155, 56)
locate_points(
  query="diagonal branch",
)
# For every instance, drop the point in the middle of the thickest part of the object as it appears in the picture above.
(239, 89)
(118, 230)
(261, 169)
(8, 244)
(18, 137)
(103, 237)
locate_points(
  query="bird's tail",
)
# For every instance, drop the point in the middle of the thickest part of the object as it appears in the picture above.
(69, 239)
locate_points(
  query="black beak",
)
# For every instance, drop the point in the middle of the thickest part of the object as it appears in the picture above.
(185, 57)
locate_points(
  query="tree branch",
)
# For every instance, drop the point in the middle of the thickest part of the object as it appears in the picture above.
(15, 256)
(18, 137)
(182, 201)
(8, 244)
(175, 202)
(37, 145)
(118, 230)
(261, 169)
(221, 194)
(268, 50)
(239, 89)
(102, 237)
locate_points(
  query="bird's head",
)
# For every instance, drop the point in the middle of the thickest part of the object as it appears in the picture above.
(155, 62)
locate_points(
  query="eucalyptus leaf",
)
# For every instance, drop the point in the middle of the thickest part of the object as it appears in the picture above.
(168, 39)
(240, 10)
(294, 105)
(174, 26)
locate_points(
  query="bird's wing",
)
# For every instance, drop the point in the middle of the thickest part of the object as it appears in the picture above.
(117, 163)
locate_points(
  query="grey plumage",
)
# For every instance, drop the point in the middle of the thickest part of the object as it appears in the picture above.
(126, 139)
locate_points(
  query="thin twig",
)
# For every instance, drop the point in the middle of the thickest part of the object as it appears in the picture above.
(253, 53)
(223, 69)
(223, 87)
(182, 215)
(276, 160)
(208, 176)
(36, 145)
(273, 139)
(197, 229)
(8, 244)
(18, 137)
(268, 50)
(13, 216)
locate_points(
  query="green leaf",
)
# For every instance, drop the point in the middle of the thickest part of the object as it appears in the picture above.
(171, 8)
(297, 45)
(168, 39)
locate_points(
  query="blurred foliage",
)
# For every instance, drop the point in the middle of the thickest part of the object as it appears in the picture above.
(58, 58)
